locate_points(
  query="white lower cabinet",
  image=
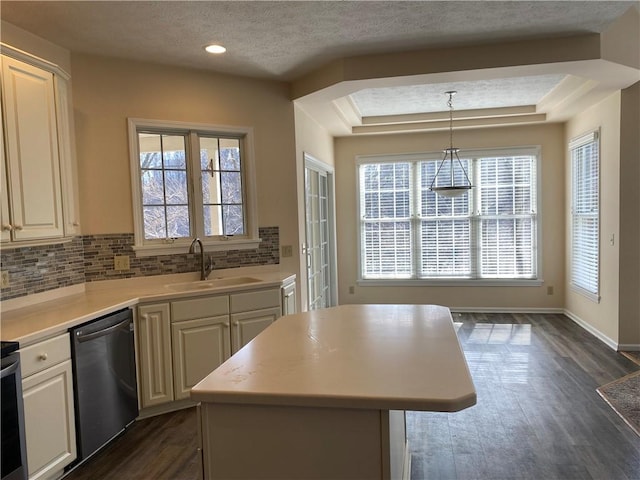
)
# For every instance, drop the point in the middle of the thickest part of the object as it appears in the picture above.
(289, 299)
(251, 313)
(199, 347)
(181, 342)
(245, 326)
(47, 390)
(153, 338)
(199, 338)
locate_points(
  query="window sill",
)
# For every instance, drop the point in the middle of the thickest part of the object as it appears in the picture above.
(182, 246)
(595, 298)
(463, 282)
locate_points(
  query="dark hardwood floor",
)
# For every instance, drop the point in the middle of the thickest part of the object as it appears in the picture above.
(538, 414)
(158, 448)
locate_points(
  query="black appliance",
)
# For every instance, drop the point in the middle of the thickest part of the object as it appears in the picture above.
(105, 393)
(14, 453)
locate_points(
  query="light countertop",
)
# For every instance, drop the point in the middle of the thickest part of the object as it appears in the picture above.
(390, 357)
(31, 323)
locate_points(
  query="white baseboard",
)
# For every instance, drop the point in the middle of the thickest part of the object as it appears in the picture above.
(593, 331)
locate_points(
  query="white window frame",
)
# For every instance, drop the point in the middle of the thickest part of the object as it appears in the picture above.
(250, 240)
(477, 153)
(575, 283)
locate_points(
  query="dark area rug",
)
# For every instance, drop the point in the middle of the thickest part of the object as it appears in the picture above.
(623, 395)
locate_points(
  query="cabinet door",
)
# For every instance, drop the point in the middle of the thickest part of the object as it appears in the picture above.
(245, 326)
(5, 220)
(32, 151)
(153, 337)
(289, 299)
(49, 422)
(199, 347)
(68, 171)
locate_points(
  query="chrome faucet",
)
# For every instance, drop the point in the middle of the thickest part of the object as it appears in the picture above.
(205, 269)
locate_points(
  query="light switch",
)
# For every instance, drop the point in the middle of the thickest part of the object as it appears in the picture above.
(612, 239)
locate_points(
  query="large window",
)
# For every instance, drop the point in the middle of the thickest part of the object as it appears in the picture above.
(585, 214)
(409, 232)
(191, 181)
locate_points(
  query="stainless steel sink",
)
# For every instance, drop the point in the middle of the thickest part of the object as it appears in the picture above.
(213, 283)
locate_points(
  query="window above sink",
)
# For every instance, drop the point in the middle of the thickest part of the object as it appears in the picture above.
(192, 180)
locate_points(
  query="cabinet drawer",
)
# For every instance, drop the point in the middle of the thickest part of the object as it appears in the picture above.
(200, 307)
(243, 302)
(45, 354)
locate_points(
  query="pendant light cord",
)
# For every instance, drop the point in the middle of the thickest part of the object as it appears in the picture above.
(450, 104)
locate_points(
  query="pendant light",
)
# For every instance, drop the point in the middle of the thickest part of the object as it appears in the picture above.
(451, 190)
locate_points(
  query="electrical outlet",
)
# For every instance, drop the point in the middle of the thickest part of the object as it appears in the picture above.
(5, 278)
(550, 290)
(352, 289)
(287, 250)
(121, 262)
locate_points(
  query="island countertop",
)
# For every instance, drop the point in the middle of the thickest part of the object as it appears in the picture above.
(387, 357)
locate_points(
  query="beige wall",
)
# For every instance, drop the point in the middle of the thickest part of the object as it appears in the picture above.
(629, 328)
(106, 91)
(314, 140)
(602, 316)
(550, 137)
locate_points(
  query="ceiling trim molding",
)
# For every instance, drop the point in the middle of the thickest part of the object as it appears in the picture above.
(444, 124)
(444, 115)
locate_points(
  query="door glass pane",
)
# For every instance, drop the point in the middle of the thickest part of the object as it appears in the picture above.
(318, 273)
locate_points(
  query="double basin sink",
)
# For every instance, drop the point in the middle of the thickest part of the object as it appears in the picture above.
(213, 283)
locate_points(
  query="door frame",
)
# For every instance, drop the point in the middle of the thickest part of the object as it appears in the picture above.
(313, 163)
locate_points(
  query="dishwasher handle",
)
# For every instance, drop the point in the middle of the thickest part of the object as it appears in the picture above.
(10, 369)
(80, 337)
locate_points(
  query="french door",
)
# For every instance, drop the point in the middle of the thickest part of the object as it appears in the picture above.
(320, 237)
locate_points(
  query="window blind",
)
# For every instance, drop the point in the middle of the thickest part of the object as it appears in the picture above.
(408, 231)
(507, 217)
(585, 206)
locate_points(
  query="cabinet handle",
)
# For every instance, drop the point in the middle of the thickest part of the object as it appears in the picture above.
(236, 324)
(42, 357)
(7, 228)
(145, 316)
(75, 224)
(17, 227)
(226, 325)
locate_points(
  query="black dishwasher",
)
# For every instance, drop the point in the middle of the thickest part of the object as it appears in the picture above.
(106, 398)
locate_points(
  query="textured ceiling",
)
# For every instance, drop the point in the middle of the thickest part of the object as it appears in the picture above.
(507, 92)
(285, 39)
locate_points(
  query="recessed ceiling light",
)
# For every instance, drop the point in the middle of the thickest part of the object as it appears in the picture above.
(215, 49)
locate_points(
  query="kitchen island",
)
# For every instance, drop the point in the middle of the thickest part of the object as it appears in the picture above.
(322, 394)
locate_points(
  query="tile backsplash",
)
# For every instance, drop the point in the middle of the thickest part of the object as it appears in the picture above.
(89, 258)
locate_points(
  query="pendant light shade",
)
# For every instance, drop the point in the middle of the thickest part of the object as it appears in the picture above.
(450, 154)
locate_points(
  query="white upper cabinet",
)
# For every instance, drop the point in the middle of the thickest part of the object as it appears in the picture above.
(29, 112)
(68, 172)
(39, 181)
